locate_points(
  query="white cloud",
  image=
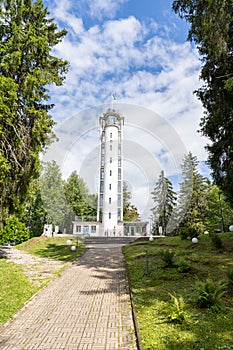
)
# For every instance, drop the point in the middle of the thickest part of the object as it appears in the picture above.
(131, 59)
(103, 8)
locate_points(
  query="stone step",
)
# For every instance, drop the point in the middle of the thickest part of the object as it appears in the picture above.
(109, 240)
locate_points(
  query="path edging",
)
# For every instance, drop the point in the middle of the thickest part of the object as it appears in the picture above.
(137, 334)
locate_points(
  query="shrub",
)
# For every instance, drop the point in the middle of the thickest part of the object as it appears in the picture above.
(183, 233)
(168, 257)
(183, 266)
(216, 240)
(210, 294)
(193, 232)
(188, 232)
(176, 309)
(230, 276)
(14, 232)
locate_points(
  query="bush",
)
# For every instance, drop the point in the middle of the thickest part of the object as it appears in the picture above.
(14, 232)
(210, 294)
(230, 276)
(168, 257)
(183, 266)
(188, 232)
(183, 233)
(216, 240)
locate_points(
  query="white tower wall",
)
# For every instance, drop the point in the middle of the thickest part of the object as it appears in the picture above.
(110, 199)
(110, 178)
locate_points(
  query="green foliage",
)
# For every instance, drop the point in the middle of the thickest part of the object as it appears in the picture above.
(77, 195)
(192, 202)
(130, 212)
(168, 257)
(230, 276)
(202, 328)
(14, 232)
(210, 294)
(176, 309)
(27, 69)
(52, 193)
(219, 213)
(211, 29)
(183, 266)
(216, 240)
(34, 213)
(165, 201)
(185, 232)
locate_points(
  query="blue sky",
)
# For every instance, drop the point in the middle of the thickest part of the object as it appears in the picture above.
(136, 50)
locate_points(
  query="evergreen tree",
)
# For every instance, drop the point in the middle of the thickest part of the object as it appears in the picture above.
(165, 200)
(212, 30)
(130, 211)
(35, 213)
(27, 68)
(192, 201)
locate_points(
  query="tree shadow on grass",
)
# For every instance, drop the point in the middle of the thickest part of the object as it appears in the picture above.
(59, 252)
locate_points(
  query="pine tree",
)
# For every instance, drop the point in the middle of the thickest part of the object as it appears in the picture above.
(165, 200)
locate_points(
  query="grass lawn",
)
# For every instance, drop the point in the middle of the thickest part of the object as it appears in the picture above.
(14, 291)
(176, 322)
(15, 288)
(52, 247)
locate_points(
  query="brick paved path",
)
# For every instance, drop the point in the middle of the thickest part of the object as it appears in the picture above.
(88, 307)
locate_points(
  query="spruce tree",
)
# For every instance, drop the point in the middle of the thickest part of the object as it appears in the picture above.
(27, 69)
(212, 30)
(165, 200)
(192, 201)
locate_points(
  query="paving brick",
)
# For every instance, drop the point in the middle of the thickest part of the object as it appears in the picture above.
(86, 308)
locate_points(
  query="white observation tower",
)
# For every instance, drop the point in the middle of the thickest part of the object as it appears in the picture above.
(110, 192)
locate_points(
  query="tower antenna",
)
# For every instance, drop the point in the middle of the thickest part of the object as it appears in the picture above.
(113, 98)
